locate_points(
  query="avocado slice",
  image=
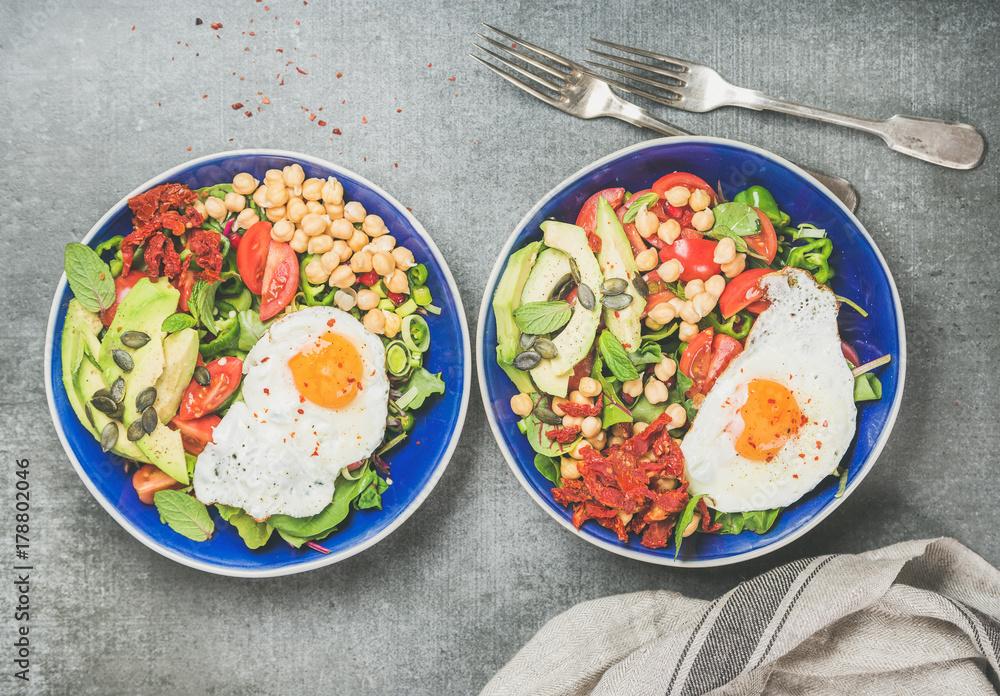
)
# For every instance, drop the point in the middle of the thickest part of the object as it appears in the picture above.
(576, 338)
(617, 261)
(551, 269)
(180, 355)
(144, 309)
(506, 299)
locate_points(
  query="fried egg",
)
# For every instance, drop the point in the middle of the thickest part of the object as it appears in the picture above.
(315, 400)
(782, 414)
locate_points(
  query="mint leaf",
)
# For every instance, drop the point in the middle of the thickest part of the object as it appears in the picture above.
(184, 514)
(177, 322)
(542, 317)
(684, 521)
(643, 201)
(739, 218)
(549, 468)
(649, 353)
(202, 302)
(89, 278)
(422, 384)
(254, 534)
(615, 357)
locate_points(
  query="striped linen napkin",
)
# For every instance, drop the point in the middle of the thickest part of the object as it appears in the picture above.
(919, 617)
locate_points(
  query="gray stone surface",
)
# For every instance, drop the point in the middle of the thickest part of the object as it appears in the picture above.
(91, 107)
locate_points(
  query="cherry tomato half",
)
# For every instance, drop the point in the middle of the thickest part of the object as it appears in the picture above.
(587, 219)
(582, 369)
(281, 279)
(742, 293)
(123, 284)
(251, 257)
(688, 181)
(635, 239)
(184, 284)
(149, 479)
(198, 401)
(706, 357)
(695, 255)
(765, 242)
(196, 433)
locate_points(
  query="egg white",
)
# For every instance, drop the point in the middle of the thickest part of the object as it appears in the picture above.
(795, 343)
(279, 453)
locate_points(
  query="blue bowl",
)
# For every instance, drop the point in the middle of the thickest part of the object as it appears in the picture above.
(416, 466)
(862, 275)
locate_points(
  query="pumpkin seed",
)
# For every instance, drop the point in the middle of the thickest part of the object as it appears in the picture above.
(104, 404)
(135, 431)
(117, 391)
(119, 412)
(135, 339)
(145, 399)
(574, 270)
(527, 340)
(641, 287)
(546, 348)
(149, 419)
(561, 288)
(616, 302)
(90, 415)
(614, 286)
(122, 359)
(202, 376)
(586, 296)
(104, 391)
(546, 415)
(109, 436)
(528, 360)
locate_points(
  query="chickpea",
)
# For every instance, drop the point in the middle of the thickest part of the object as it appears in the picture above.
(571, 421)
(662, 313)
(665, 369)
(384, 243)
(234, 202)
(314, 272)
(735, 267)
(692, 525)
(315, 207)
(590, 427)
(200, 207)
(330, 260)
(393, 323)
(277, 194)
(343, 278)
(665, 483)
(333, 192)
(275, 213)
(342, 229)
(260, 197)
(705, 303)
(312, 189)
(375, 321)
(344, 300)
(678, 416)
(618, 430)
(652, 324)
(295, 191)
(699, 200)
(296, 209)
(313, 225)
(367, 299)
(687, 331)
(647, 260)
(557, 402)
(398, 282)
(341, 249)
(670, 271)
(616, 441)
(244, 183)
(320, 244)
(694, 288)
(689, 314)
(678, 196)
(656, 391)
(703, 220)
(715, 285)
(402, 256)
(273, 176)
(576, 452)
(633, 388)
(299, 242)
(638, 427)
(669, 231)
(293, 175)
(354, 212)
(283, 231)
(599, 441)
(725, 251)
(590, 387)
(374, 226)
(646, 223)
(334, 210)
(383, 263)
(625, 517)
(567, 468)
(246, 219)
(358, 241)
(577, 398)
(215, 208)
(361, 262)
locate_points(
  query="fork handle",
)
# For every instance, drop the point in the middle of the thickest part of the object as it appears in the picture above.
(946, 143)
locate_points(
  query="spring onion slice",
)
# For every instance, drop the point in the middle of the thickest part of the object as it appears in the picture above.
(432, 309)
(421, 295)
(416, 333)
(397, 358)
(851, 304)
(869, 366)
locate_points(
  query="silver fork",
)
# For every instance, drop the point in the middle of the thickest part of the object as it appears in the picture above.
(582, 93)
(695, 87)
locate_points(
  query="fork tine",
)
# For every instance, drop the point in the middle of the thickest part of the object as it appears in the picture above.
(663, 72)
(514, 81)
(637, 78)
(635, 90)
(507, 63)
(684, 65)
(565, 62)
(526, 58)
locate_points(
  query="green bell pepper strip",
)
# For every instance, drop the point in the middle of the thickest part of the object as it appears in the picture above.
(229, 332)
(744, 319)
(113, 243)
(813, 257)
(760, 198)
(314, 294)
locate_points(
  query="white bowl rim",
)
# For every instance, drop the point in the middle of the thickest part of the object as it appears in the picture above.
(623, 550)
(322, 559)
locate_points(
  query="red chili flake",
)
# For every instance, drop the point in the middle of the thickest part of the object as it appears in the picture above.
(204, 96)
(189, 148)
(312, 117)
(252, 34)
(237, 106)
(396, 165)
(198, 22)
(133, 27)
(265, 100)
(795, 475)
(301, 71)
(340, 74)
(280, 50)
(451, 79)
(301, 411)
(322, 123)
(364, 120)
(217, 25)
(266, 391)
(302, 399)
(336, 131)
(399, 111)
(429, 64)
(248, 114)
(331, 322)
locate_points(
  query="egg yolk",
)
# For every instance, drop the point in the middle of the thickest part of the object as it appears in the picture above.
(770, 418)
(329, 374)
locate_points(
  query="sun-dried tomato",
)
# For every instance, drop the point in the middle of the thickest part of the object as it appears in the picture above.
(594, 242)
(706, 519)
(206, 245)
(163, 208)
(564, 435)
(574, 409)
(657, 534)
